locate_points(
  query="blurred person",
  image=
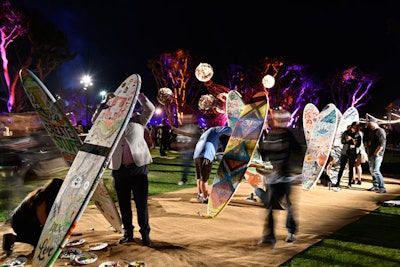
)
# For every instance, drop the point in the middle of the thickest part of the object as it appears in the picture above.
(130, 166)
(80, 128)
(186, 139)
(362, 157)
(29, 218)
(204, 155)
(376, 145)
(351, 140)
(165, 137)
(277, 145)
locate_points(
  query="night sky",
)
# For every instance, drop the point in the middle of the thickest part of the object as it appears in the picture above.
(117, 38)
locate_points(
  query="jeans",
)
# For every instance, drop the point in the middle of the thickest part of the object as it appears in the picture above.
(186, 158)
(375, 163)
(275, 192)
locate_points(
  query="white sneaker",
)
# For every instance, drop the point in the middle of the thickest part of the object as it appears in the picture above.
(290, 238)
(181, 183)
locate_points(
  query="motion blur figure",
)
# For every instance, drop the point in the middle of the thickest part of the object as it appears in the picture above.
(186, 139)
(28, 219)
(276, 145)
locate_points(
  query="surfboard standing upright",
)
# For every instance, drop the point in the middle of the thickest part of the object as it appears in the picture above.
(310, 116)
(238, 153)
(319, 146)
(86, 170)
(234, 107)
(350, 115)
(64, 135)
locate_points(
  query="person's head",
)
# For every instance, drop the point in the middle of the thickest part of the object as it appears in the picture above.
(47, 192)
(355, 126)
(372, 123)
(279, 118)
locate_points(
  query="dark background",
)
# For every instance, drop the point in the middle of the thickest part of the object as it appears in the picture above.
(116, 38)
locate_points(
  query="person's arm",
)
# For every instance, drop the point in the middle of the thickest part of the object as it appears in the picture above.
(358, 141)
(179, 131)
(148, 109)
(98, 110)
(345, 138)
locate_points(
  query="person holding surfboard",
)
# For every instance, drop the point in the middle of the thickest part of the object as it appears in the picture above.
(351, 140)
(130, 166)
(204, 155)
(28, 218)
(276, 145)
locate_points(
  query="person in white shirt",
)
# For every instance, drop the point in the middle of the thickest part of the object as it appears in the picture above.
(130, 166)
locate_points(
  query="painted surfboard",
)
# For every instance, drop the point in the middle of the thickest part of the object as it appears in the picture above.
(310, 115)
(86, 171)
(234, 107)
(65, 137)
(319, 146)
(238, 153)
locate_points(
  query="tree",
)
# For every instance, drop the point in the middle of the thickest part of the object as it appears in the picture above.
(174, 70)
(42, 50)
(351, 88)
(294, 88)
(12, 25)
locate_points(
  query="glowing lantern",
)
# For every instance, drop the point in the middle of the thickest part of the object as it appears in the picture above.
(165, 96)
(204, 72)
(206, 103)
(268, 81)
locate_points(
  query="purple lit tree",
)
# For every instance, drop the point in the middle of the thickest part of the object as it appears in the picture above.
(12, 25)
(294, 88)
(351, 88)
(294, 85)
(37, 44)
(175, 71)
(42, 50)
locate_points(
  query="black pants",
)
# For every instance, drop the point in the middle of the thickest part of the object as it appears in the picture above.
(133, 180)
(343, 161)
(274, 193)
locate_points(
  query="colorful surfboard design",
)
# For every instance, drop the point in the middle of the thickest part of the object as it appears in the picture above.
(310, 116)
(64, 135)
(85, 172)
(238, 153)
(319, 146)
(234, 107)
(350, 115)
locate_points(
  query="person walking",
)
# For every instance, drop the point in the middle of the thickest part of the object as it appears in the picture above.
(28, 219)
(277, 145)
(165, 137)
(351, 140)
(186, 139)
(130, 166)
(204, 155)
(376, 145)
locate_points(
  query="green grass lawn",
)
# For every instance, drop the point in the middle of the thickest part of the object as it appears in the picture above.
(374, 240)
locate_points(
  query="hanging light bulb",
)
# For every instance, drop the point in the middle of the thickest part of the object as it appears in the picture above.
(268, 81)
(204, 72)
